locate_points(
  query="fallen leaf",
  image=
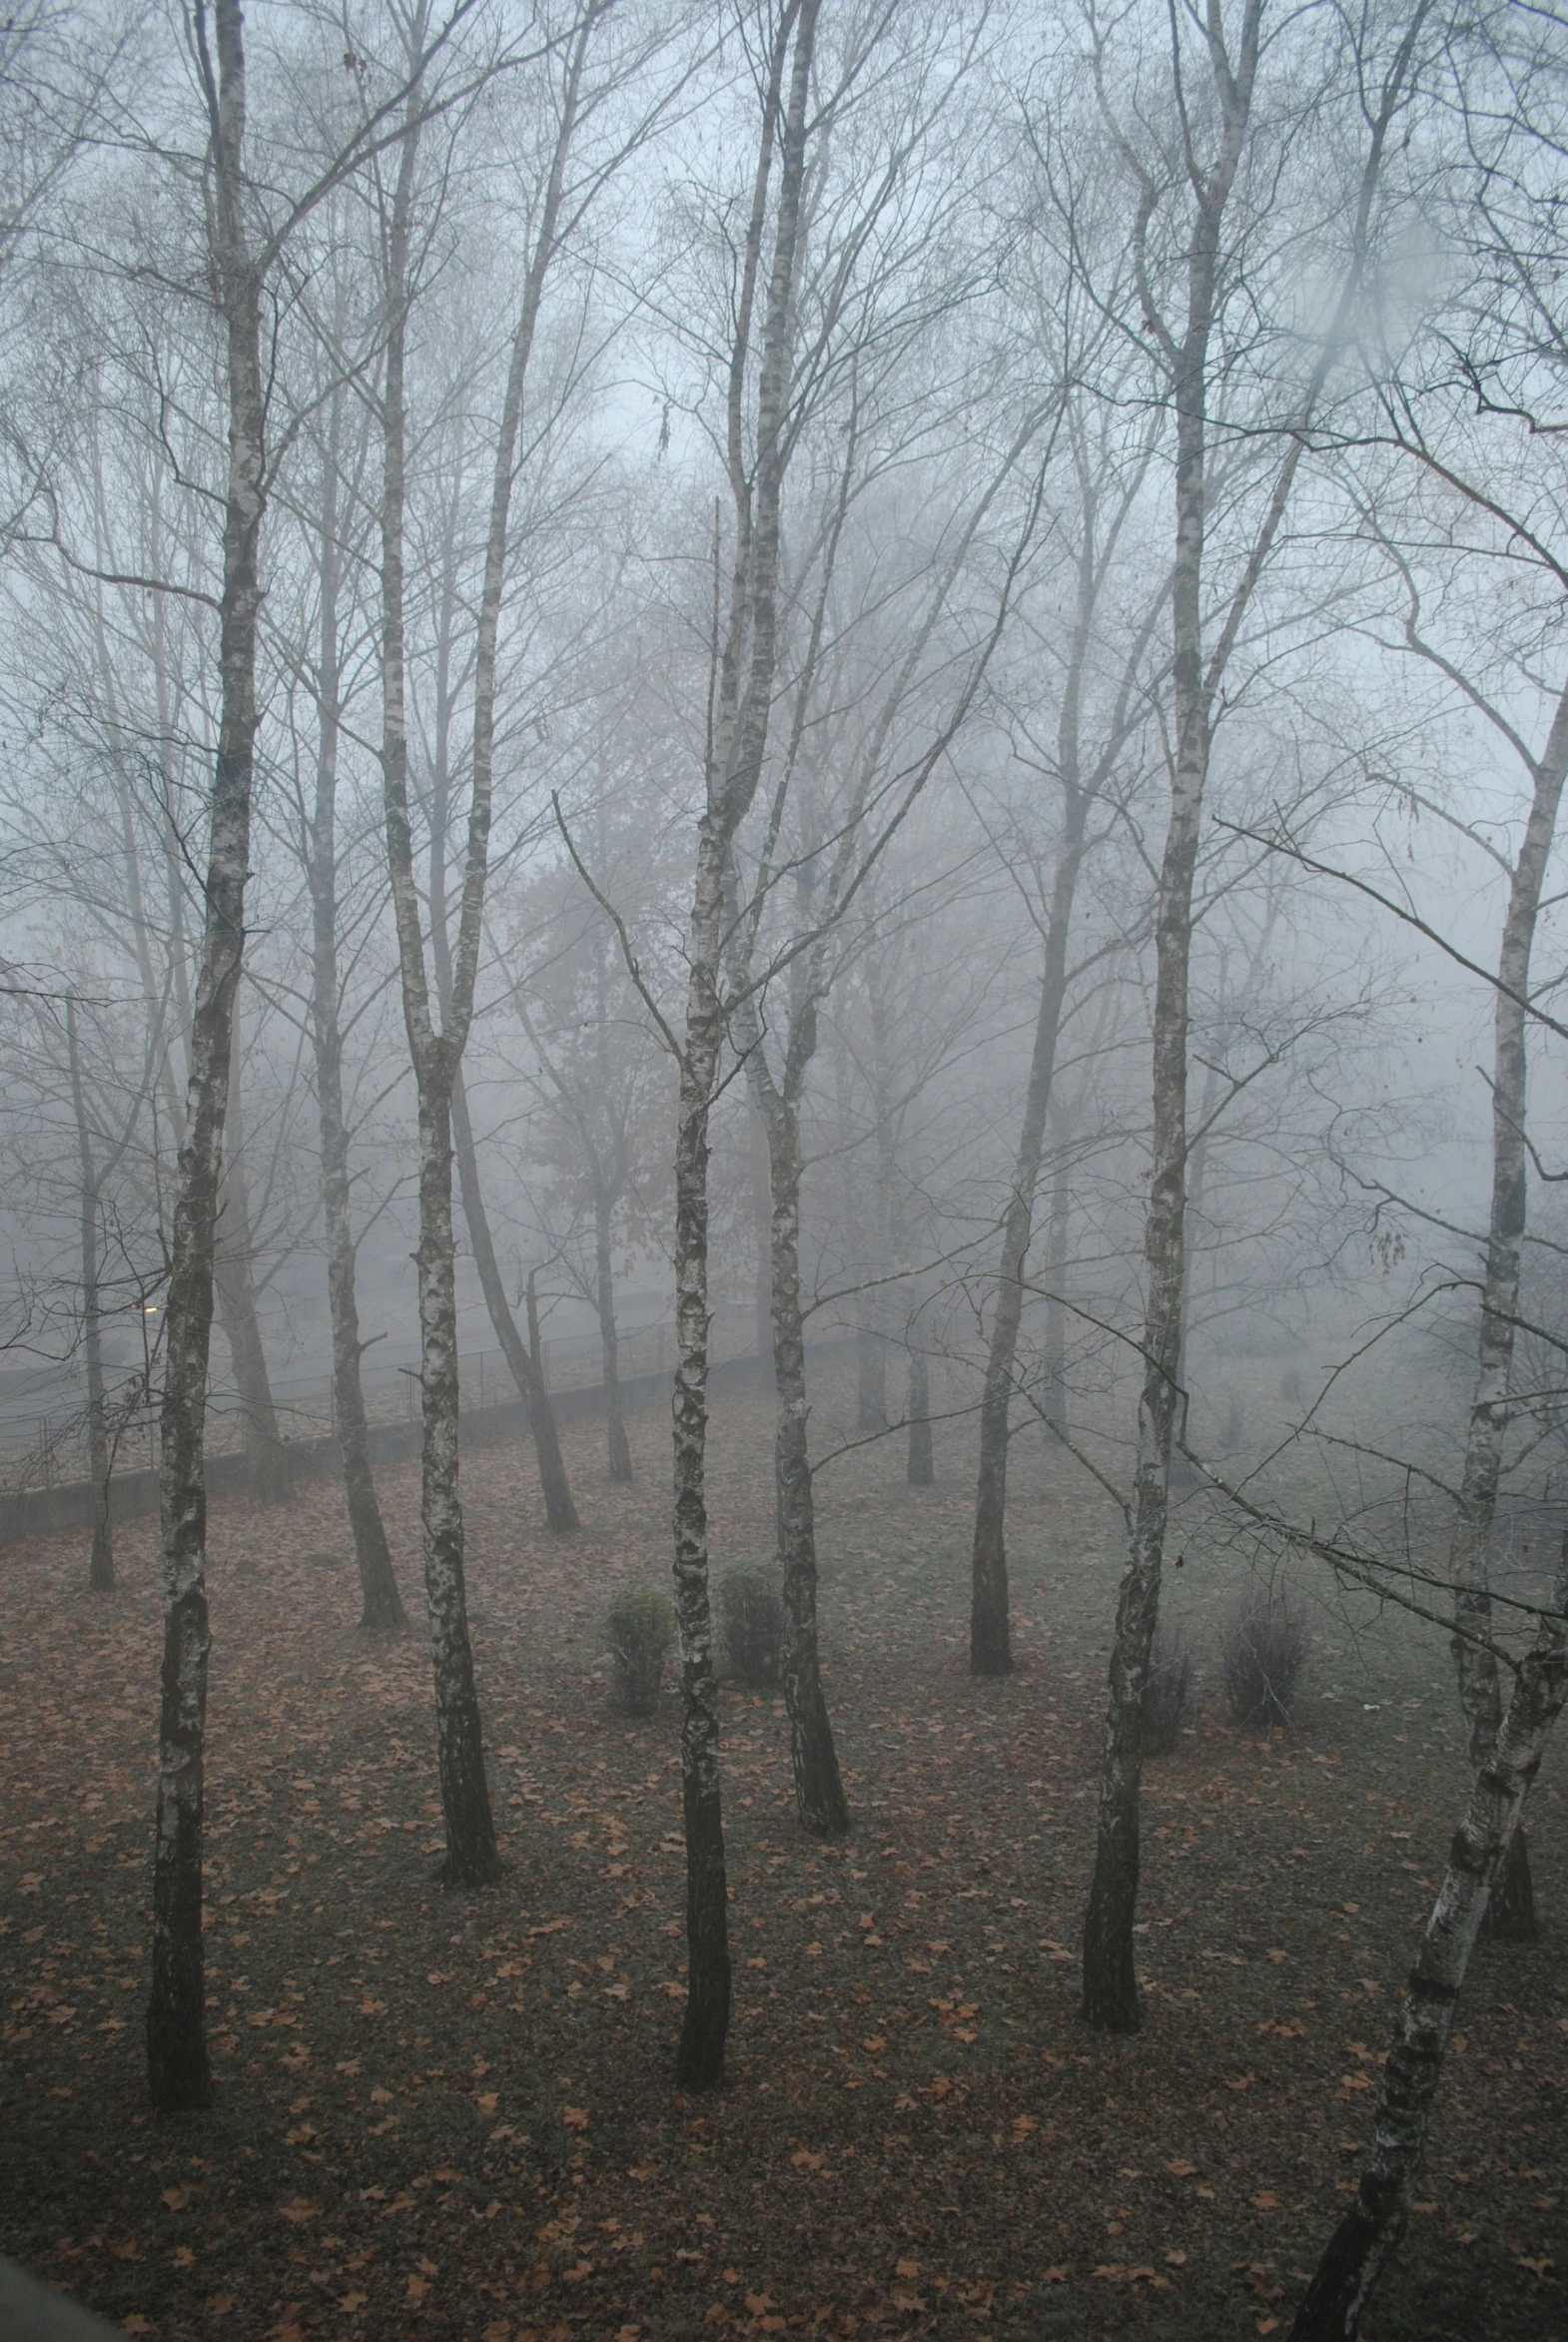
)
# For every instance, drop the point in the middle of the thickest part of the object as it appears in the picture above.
(575, 2117)
(1181, 2168)
(1177, 2257)
(417, 2287)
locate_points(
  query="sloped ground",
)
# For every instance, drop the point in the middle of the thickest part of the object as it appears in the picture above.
(452, 2117)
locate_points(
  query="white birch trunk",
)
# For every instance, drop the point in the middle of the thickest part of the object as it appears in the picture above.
(1513, 1914)
(1369, 2233)
(178, 2070)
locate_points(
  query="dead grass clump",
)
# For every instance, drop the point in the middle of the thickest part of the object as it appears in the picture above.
(1264, 1652)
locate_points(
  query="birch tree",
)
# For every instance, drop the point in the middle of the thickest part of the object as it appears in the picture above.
(746, 658)
(1194, 247)
(1099, 714)
(1370, 2232)
(242, 248)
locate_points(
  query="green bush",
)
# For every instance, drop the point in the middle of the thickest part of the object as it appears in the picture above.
(752, 1618)
(639, 1626)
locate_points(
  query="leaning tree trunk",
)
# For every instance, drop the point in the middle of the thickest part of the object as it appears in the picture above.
(560, 1510)
(266, 1457)
(1369, 2233)
(177, 2062)
(610, 1347)
(820, 1803)
(100, 1576)
(922, 1470)
(1512, 1914)
(1054, 1347)
(990, 1638)
(762, 1215)
(457, 980)
(381, 1603)
(472, 1856)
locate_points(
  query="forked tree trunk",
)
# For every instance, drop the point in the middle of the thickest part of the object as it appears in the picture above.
(381, 1603)
(266, 1457)
(733, 773)
(1111, 1997)
(922, 1471)
(178, 2072)
(1512, 1914)
(472, 1856)
(1371, 2230)
(610, 1347)
(560, 1510)
(100, 1575)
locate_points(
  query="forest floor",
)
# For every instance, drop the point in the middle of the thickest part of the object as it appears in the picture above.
(452, 2117)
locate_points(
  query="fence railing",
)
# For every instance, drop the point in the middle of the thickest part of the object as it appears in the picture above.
(52, 1448)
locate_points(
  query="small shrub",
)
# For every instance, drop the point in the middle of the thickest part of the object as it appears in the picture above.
(639, 1626)
(1167, 1690)
(752, 1617)
(1264, 1653)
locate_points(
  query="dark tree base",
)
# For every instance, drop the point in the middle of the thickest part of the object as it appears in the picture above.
(1111, 1997)
(821, 1806)
(473, 1871)
(1510, 1915)
(1331, 2308)
(990, 1647)
(990, 1626)
(384, 1621)
(178, 2077)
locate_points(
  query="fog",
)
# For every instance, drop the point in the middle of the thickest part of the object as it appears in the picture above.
(876, 690)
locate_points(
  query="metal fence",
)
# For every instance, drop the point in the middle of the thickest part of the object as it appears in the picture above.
(52, 1448)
